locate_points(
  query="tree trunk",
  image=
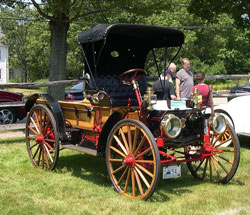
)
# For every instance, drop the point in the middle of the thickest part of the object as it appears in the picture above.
(58, 54)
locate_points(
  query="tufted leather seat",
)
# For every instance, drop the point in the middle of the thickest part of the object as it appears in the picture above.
(119, 93)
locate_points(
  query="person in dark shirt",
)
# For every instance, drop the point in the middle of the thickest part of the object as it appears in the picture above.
(163, 88)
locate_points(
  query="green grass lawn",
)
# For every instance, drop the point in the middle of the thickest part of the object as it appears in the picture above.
(80, 185)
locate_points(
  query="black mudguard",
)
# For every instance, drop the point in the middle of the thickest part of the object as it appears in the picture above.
(53, 106)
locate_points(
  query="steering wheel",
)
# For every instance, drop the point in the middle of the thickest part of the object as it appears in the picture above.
(132, 75)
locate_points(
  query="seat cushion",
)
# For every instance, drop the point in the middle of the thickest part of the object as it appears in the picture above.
(119, 93)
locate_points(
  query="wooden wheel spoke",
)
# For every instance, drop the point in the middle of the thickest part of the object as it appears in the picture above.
(210, 170)
(138, 182)
(143, 153)
(142, 177)
(31, 137)
(198, 167)
(204, 170)
(145, 161)
(46, 135)
(217, 139)
(50, 140)
(34, 123)
(211, 140)
(133, 182)
(222, 137)
(139, 146)
(48, 153)
(124, 140)
(225, 159)
(121, 145)
(122, 176)
(30, 147)
(222, 142)
(37, 120)
(44, 118)
(39, 156)
(34, 155)
(228, 150)
(216, 168)
(46, 159)
(135, 140)
(33, 130)
(144, 170)
(221, 165)
(42, 158)
(118, 169)
(129, 138)
(127, 181)
(46, 125)
(117, 151)
(115, 160)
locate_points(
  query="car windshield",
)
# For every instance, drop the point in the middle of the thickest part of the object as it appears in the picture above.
(77, 86)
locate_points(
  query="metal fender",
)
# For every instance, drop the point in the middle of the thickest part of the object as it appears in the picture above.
(54, 107)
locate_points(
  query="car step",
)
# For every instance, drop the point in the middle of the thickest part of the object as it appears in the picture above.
(81, 149)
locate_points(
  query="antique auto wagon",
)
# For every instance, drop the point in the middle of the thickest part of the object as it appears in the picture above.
(121, 119)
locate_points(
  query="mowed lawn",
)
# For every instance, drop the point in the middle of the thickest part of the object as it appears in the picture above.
(80, 185)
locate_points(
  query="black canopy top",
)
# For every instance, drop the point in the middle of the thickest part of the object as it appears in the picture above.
(130, 42)
(152, 36)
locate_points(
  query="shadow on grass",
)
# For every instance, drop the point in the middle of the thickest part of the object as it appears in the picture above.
(244, 142)
(86, 167)
(94, 169)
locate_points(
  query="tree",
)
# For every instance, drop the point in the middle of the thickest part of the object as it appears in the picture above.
(28, 42)
(239, 10)
(211, 48)
(61, 13)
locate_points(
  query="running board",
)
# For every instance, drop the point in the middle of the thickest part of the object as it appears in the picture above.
(80, 149)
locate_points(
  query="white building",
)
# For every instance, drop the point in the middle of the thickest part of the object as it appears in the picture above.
(4, 56)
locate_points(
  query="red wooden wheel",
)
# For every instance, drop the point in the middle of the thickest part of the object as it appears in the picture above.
(132, 159)
(42, 139)
(222, 165)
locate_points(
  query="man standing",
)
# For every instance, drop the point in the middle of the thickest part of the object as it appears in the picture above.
(184, 80)
(172, 69)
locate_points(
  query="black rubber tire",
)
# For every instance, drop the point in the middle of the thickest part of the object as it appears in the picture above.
(8, 115)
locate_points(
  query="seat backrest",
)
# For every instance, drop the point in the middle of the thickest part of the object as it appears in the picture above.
(119, 93)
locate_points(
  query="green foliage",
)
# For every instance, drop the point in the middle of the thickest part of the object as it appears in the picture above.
(28, 43)
(213, 50)
(209, 9)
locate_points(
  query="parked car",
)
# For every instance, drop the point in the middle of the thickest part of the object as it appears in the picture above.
(75, 92)
(234, 90)
(237, 114)
(10, 114)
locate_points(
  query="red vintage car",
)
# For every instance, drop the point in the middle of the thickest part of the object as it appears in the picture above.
(9, 112)
(122, 119)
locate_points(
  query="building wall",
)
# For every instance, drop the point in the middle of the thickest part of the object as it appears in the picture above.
(4, 69)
